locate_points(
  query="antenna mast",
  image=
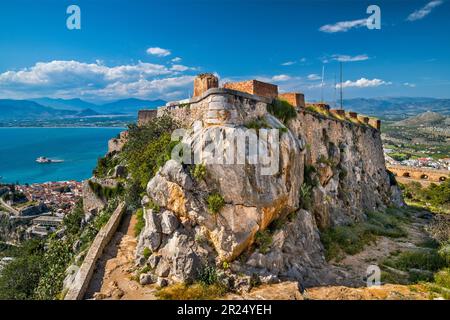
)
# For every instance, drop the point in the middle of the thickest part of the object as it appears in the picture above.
(340, 86)
(323, 74)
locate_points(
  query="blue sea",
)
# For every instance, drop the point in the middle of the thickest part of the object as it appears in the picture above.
(78, 147)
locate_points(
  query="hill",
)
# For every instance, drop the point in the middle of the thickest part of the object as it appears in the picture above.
(16, 110)
(129, 106)
(428, 118)
(65, 104)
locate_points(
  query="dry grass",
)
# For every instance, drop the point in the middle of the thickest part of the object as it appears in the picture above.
(196, 291)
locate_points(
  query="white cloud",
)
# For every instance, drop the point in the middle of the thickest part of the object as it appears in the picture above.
(157, 51)
(313, 77)
(343, 26)
(363, 83)
(288, 63)
(281, 77)
(424, 11)
(303, 60)
(347, 58)
(411, 85)
(75, 79)
(176, 59)
(179, 67)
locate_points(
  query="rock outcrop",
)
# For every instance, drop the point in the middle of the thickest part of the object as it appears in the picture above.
(339, 166)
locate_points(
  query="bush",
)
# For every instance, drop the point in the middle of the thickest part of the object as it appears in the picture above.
(263, 240)
(282, 110)
(305, 196)
(72, 221)
(148, 147)
(199, 171)
(208, 275)
(140, 223)
(215, 202)
(258, 123)
(147, 252)
(105, 165)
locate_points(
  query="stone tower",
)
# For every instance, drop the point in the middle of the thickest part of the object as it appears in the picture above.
(204, 82)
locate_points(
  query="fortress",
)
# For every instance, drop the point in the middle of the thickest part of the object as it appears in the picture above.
(237, 102)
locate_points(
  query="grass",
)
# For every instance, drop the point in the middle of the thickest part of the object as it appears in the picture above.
(263, 240)
(428, 261)
(283, 110)
(258, 123)
(215, 202)
(351, 239)
(196, 291)
(140, 222)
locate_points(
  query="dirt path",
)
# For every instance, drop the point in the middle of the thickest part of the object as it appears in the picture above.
(112, 276)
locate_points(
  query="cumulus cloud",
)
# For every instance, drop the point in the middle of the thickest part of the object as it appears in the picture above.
(347, 58)
(314, 77)
(363, 83)
(157, 51)
(281, 77)
(176, 59)
(288, 63)
(411, 85)
(69, 79)
(424, 11)
(343, 26)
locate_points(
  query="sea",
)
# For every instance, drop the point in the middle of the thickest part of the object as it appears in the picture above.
(79, 148)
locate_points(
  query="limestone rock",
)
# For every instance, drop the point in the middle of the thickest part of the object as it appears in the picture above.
(150, 236)
(163, 268)
(169, 222)
(162, 282)
(147, 278)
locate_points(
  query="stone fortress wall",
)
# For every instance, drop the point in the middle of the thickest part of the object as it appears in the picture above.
(237, 101)
(344, 146)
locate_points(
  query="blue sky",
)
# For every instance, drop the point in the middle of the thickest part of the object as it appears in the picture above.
(152, 49)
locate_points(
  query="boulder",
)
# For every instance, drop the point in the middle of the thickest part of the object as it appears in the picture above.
(150, 236)
(147, 278)
(169, 222)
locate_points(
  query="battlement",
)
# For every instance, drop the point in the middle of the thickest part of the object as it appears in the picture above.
(255, 87)
(239, 102)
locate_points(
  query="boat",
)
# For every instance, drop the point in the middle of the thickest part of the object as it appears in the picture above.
(47, 160)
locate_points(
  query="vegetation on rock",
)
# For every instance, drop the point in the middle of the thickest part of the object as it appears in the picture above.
(215, 202)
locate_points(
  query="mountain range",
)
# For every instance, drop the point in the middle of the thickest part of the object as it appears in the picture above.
(48, 108)
(397, 108)
(389, 108)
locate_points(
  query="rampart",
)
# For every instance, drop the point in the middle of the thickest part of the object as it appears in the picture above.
(84, 274)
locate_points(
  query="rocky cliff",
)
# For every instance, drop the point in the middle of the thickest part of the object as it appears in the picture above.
(330, 172)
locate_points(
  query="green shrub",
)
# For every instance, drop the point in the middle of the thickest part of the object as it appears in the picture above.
(140, 223)
(282, 110)
(147, 252)
(199, 172)
(215, 202)
(258, 123)
(196, 291)
(263, 240)
(105, 165)
(305, 196)
(208, 275)
(148, 147)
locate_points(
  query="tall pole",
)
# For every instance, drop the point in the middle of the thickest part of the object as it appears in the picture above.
(335, 88)
(340, 86)
(323, 74)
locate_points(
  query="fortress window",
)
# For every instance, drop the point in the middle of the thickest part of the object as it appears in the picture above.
(406, 175)
(442, 178)
(424, 177)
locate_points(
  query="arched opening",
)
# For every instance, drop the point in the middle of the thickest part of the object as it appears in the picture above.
(424, 177)
(406, 174)
(442, 178)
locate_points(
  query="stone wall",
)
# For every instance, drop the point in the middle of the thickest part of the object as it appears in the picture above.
(350, 167)
(145, 116)
(116, 144)
(412, 173)
(218, 106)
(294, 98)
(84, 275)
(255, 87)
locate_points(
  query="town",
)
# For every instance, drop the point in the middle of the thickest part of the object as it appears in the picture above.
(40, 207)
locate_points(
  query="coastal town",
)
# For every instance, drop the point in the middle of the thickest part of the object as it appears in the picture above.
(40, 207)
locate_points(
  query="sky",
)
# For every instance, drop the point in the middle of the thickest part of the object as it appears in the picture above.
(154, 49)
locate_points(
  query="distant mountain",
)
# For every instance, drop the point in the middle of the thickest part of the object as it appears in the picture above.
(65, 104)
(427, 119)
(397, 108)
(86, 113)
(129, 106)
(13, 110)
